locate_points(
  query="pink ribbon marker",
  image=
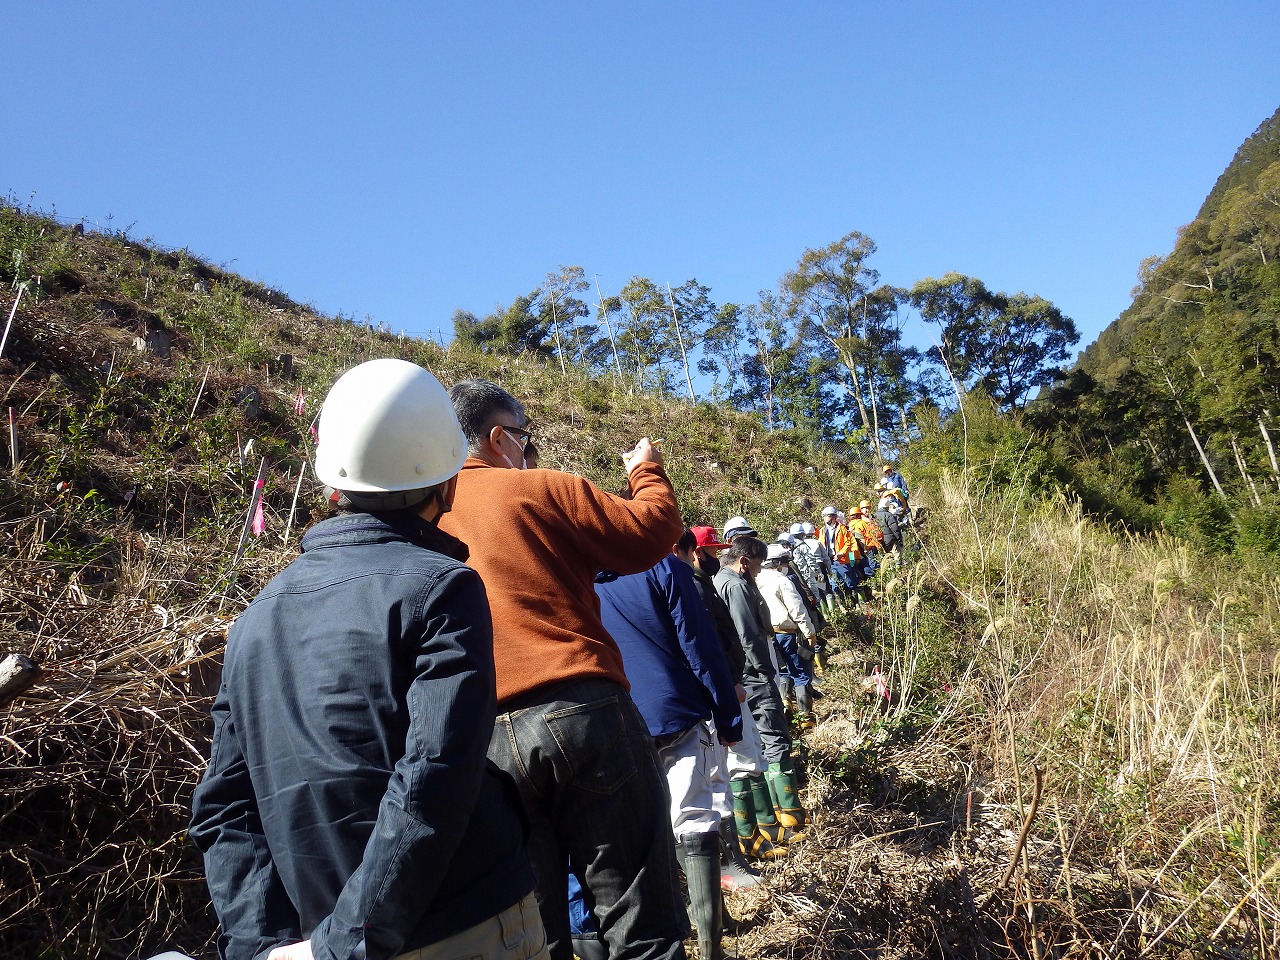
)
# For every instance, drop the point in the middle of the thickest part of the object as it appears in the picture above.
(259, 525)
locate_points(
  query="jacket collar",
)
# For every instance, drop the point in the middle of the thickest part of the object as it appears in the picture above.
(353, 528)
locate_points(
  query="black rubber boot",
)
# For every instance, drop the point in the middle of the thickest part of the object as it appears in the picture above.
(700, 859)
(735, 872)
(804, 707)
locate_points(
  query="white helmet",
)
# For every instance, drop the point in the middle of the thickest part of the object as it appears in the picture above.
(388, 433)
(797, 530)
(809, 529)
(777, 551)
(828, 511)
(737, 526)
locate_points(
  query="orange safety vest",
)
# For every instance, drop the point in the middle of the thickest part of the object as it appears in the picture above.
(870, 531)
(842, 544)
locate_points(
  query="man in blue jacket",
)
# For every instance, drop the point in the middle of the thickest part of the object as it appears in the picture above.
(348, 810)
(680, 679)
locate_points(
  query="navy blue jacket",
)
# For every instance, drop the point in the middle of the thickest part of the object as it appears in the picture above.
(348, 799)
(678, 672)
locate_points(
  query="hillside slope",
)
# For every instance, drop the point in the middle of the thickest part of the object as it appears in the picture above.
(1041, 738)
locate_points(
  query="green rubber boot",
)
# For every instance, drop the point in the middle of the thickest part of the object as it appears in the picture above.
(753, 842)
(700, 859)
(786, 800)
(767, 822)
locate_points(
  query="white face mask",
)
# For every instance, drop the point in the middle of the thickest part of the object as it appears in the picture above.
(523, 464)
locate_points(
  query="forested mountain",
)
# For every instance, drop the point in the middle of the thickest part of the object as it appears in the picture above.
(1185, 384)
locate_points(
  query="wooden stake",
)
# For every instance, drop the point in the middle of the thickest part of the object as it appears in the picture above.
(13, 438)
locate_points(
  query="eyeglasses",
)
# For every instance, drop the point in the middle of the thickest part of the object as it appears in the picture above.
(522, 436)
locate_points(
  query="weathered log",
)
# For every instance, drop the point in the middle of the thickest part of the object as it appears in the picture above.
(16, 674)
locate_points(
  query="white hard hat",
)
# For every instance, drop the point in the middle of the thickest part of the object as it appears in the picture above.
(777, 551)
(809, 529)
(736, 526)
(797, 530)
(388, 433)
(828, 511)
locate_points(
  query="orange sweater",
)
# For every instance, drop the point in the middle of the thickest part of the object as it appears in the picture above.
(538, 538)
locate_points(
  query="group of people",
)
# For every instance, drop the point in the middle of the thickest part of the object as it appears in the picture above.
(490, 708)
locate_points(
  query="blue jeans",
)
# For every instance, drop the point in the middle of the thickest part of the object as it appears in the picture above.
(844, 576)
(792, 664)
(596, 799)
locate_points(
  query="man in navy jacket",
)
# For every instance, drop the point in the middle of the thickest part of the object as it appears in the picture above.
(680, 679)
(348, 810)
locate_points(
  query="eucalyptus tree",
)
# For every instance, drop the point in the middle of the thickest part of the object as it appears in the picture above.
(1008, 344)
(838, 301)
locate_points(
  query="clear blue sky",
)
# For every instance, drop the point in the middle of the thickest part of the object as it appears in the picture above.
(400, 160)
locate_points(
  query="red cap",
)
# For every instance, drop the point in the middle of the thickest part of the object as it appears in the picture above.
(707, 539)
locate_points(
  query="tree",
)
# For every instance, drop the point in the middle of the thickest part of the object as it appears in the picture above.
(545, 321)
(828, 289)
(568, 310)
(722, 354)
(1006, 344)
(511, 329)
(834, 291)
(646, 317)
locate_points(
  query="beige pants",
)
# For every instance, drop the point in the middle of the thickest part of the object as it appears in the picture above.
(514, 934)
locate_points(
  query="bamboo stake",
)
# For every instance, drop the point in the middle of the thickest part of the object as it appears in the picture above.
(13, 438)
(1271, 452)
(302, 472)
(22, 288)
(258, 485)
(609, 326)
(680, 338)
(199, 394)
(555, 326)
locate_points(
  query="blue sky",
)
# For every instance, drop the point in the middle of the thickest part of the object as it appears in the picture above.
(399, 160)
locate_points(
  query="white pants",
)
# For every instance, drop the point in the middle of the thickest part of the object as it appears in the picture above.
(746, 757)
(690, 763)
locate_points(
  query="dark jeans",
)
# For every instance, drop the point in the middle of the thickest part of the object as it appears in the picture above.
(771, 720)
(596, 799)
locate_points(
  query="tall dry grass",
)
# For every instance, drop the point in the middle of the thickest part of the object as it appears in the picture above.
(1138, 679)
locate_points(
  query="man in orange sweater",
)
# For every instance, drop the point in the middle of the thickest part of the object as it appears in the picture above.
(567, 730)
